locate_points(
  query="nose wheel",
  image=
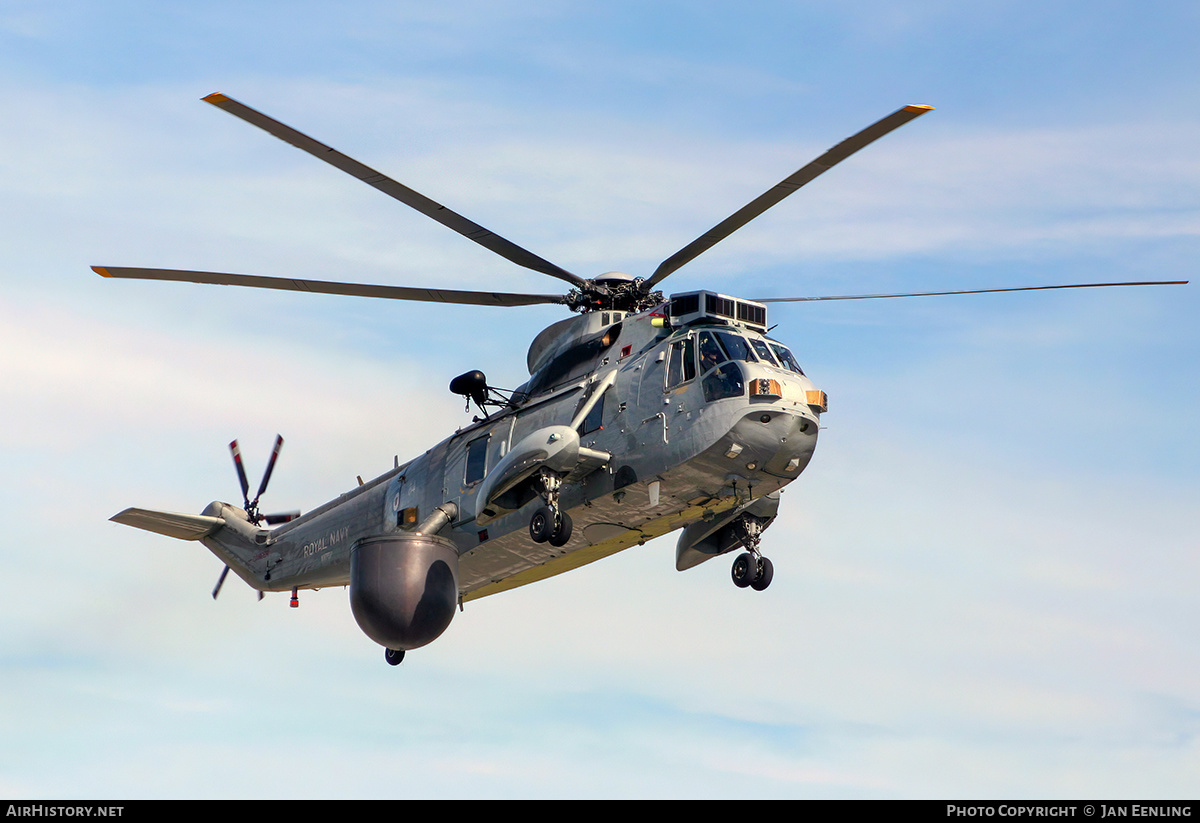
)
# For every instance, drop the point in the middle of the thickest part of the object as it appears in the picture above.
(750, 568)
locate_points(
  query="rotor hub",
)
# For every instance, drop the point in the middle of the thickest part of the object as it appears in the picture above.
(613, 291)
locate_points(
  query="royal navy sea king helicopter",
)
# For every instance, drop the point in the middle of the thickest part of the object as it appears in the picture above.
(642, 415)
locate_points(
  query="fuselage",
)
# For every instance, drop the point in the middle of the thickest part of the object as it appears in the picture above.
(694, 421)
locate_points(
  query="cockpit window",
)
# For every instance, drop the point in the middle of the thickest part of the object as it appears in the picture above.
(785, 357)
(711, 352)
(726, 381)
(763, 351)
(736, 347)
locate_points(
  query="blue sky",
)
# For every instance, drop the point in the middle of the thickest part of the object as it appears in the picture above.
(985, 582)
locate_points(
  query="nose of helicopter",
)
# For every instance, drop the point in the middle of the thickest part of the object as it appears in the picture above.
(772, 442)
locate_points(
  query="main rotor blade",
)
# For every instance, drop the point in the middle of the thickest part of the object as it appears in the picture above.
(450, 219)
(769, 198)
(967, 291)
(473, 298)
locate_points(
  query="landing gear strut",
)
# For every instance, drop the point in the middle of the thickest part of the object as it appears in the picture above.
(549, 523)
(750, 568)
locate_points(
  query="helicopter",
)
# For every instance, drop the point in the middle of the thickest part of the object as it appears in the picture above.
(643, 414)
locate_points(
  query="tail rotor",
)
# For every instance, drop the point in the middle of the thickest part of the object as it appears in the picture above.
(251, 506)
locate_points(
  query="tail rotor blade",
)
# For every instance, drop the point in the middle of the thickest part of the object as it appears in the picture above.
(241, 471)
(251, 506)
(220, 582)
(262, 487)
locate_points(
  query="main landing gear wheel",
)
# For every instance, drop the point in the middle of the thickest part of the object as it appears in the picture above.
(546, 526)
(562, 532)
(541, 525)
(393, 656)
(743, 571)
(549, 522)
(753, 571)
(766, 573)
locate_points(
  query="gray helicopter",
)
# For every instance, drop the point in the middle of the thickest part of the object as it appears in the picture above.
(642, 415)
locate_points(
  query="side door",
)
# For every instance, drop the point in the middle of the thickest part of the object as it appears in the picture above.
(467, 463)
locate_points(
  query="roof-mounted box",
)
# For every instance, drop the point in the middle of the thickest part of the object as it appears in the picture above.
(710, 307)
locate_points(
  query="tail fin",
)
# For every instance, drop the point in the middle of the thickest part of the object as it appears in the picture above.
(223, 529)
(170, 524)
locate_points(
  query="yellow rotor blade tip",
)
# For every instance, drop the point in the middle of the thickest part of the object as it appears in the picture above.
(100, 270)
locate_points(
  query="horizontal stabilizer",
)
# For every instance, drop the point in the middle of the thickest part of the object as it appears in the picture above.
(171, 524)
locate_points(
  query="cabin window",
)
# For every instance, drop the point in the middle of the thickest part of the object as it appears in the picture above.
(592, 423)
(682, 365)
(476, 460)
(725, 381)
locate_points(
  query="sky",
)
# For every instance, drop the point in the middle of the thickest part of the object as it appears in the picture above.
(984, 582)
